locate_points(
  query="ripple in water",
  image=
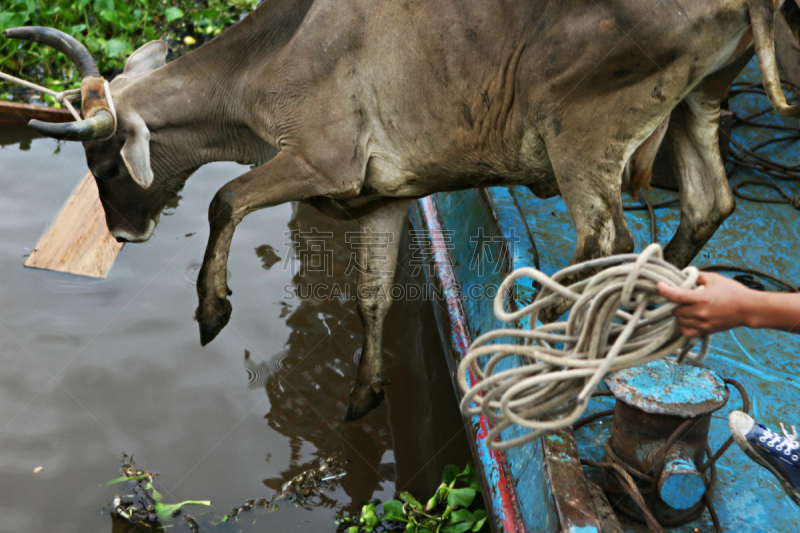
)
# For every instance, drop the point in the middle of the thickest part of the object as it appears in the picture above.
(70, 284)
(259, 372)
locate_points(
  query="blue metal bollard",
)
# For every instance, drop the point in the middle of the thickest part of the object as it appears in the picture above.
(654, 400)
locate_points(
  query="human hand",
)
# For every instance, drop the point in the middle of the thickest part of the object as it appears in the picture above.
(720, 305)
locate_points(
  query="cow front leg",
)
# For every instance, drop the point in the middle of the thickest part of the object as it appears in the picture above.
(590, 182)
(706, 199)
(285, 178)
(378, 263)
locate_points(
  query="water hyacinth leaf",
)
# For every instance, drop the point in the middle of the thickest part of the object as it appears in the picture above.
(460, 521)
(120, 479)
(460, 497)
(118, 48)
(11, 20)
(165, 511)
(410, 500)
(480, 517)
(393, 510)
(460, 515)
(450, 474)
(459, 527)
(108, 15)
(369, 518)
(352, 529)
(92, 44)
(472, 479)
(433, 502)
(173, 13)
(103, 5)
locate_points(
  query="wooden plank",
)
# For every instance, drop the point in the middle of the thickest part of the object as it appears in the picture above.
(570, 490)
(78, 241)
(13, 113)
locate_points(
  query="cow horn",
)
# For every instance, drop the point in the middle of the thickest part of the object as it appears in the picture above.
(762, 15)
(99, 120)
(100, 126)
(69, 46)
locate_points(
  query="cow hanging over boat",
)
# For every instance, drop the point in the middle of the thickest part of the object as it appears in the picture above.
(360, 107)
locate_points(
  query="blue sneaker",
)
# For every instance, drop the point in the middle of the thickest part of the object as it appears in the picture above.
(780, 454)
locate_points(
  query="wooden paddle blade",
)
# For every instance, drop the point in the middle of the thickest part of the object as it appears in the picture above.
(78, 240)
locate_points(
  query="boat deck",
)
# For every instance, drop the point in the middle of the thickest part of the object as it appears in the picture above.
(504, 224)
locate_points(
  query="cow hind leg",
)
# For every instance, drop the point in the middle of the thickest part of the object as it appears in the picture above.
(285, 178)
(378, 262)
(705, 197)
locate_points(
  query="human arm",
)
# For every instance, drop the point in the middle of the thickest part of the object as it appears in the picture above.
(724, 304)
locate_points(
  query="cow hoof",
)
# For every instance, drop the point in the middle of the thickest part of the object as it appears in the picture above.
(212, 317)
(363, 399)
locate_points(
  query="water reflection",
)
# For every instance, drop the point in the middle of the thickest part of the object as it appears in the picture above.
(308, 382)
(172, 206)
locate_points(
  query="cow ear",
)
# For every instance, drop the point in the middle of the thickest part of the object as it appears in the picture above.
(136, 152)
(147, 58)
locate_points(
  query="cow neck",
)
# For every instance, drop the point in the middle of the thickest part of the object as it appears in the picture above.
(197, 101)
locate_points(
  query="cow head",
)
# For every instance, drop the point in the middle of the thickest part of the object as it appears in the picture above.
(115, 137)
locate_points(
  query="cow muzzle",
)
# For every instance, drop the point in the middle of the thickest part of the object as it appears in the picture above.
(99, 121)
(124, 235)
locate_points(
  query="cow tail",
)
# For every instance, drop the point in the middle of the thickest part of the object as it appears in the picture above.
(762, 15)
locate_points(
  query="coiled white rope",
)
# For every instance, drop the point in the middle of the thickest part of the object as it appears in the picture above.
(617, 320)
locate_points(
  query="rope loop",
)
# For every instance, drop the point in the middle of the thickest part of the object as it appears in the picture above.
(64, 97)
(541, 377)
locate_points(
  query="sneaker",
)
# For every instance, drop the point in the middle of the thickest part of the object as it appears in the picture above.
(780, 454)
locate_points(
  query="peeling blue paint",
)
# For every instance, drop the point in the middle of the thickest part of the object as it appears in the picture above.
(579, 529)
(666, 387)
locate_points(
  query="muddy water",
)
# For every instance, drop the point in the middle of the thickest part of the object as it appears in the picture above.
(94, 368)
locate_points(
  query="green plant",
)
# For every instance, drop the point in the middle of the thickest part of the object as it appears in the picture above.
(447, 511)
(110, 29)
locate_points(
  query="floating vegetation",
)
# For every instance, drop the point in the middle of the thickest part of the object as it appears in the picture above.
(300, 488)
(268, 256)
(145, 506)
(451, 509)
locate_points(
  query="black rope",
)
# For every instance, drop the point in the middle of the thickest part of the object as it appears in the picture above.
(794, 200)
(718, 268)
(749, 158)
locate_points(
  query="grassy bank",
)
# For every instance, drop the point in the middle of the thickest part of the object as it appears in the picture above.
(110, 29)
